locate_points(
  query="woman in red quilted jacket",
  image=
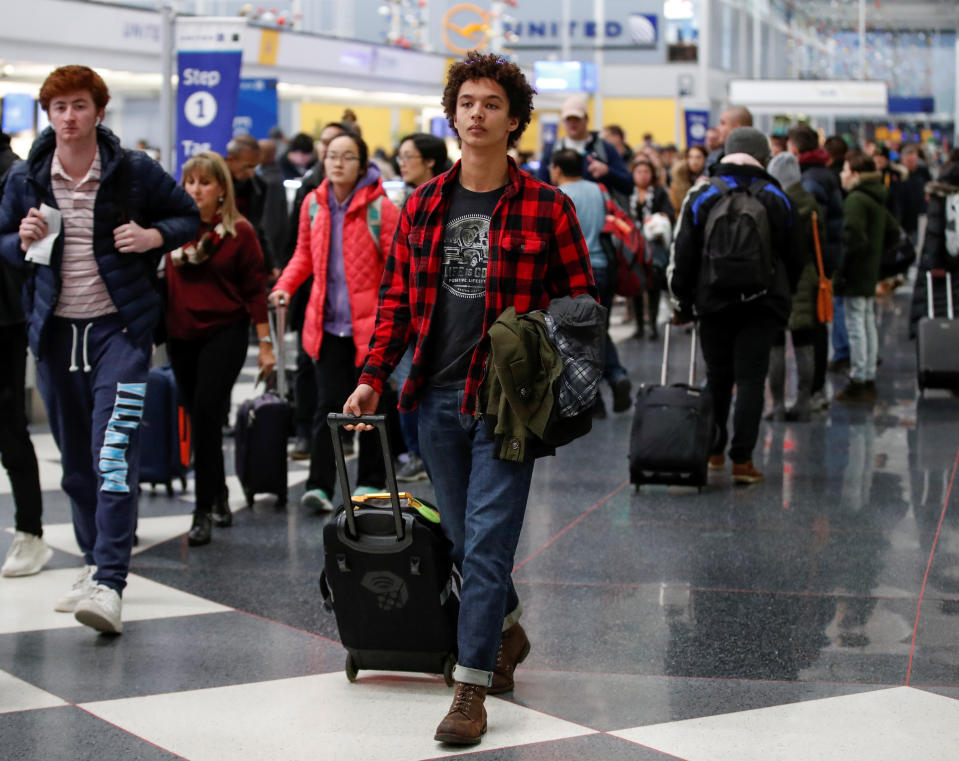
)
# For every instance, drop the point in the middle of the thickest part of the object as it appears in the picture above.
(346, 230)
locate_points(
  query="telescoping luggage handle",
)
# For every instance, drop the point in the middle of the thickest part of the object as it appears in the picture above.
(338, 420)
(692, 356)
(929, 304)
(278, 336)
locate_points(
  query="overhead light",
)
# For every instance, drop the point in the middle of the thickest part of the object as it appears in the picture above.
(678, 10)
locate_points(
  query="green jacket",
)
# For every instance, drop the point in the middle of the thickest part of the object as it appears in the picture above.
(803, 315)
(518, 389)
(866, 227)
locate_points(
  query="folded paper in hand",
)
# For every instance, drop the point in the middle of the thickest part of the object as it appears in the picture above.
(40, 251)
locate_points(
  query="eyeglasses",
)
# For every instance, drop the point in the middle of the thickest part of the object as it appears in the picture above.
(406, 157)
(336, 158)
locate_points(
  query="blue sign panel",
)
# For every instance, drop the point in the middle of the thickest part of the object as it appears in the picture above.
(440, 127)
(565, 76)
(898, 104)
(697, 122)
(256, 108)
(17, 112)
(206, 102)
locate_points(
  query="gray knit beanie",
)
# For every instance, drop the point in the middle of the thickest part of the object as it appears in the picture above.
(785, 168)
(748, 140)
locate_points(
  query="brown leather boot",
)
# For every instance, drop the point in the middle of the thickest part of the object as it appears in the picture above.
(513, 650)
(465, 724)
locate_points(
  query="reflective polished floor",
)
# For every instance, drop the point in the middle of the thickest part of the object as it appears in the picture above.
(811, 616)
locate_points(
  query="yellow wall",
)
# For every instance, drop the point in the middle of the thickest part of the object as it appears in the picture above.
(375, 122)
(640, 115)
(636, 116)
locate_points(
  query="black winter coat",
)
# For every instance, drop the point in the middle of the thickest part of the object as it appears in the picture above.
(151, 199)
(688, 242)
(826, 188)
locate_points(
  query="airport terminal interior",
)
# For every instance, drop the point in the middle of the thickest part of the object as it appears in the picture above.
(810, 616)
(813, 615)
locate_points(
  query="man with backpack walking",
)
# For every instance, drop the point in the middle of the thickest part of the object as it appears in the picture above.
(733, 267)
(601, 161)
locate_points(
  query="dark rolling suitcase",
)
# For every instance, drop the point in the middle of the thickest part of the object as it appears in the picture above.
(164, 432)
(672, 429)
(262, 428)
(388, 575)
(937, 361)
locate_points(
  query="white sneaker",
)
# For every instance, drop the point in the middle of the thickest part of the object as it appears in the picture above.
(26, 556)
(317, 499)
(81, 588)
(101, 610)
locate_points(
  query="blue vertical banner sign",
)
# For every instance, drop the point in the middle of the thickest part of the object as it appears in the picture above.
(257, 109)
(209, 57)
(697, 122)
(17, 113)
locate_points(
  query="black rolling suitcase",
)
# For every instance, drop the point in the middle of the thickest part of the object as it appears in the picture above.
(164, 432)
(262, 428)
(937, 361)
(388, 575)
(672, 429)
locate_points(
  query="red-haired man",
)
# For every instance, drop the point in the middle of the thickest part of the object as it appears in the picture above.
(91, 307)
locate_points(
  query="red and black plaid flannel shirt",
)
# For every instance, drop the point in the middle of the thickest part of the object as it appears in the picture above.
(537, 253)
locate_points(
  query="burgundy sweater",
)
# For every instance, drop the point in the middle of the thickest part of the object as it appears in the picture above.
(226, 288)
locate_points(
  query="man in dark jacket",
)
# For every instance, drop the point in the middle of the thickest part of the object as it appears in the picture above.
(601, 161)
(91, 305)
(737, 329)
(250, 191)
(867, 227)
(935, 251)
(729, 119)
(912, 191)
(28, 552)
(822, 181)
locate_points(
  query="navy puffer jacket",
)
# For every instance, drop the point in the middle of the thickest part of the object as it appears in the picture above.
(151, 198)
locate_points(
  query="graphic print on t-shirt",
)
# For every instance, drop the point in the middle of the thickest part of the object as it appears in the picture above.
(466, 255)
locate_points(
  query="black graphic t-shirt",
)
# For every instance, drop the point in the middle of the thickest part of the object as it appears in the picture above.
(457, 323)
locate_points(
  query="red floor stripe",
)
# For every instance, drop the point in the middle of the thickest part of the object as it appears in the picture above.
(605, 499)
(925, 578)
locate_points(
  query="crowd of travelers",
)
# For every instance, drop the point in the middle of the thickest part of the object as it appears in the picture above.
(756, 238)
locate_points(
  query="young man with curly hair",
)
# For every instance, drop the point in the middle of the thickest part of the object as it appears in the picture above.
(471, 243)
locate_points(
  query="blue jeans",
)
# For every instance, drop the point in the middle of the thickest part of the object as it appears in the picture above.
(613, 370)
(482, 502)
(409, 421)
(840, 337)
(863, 337)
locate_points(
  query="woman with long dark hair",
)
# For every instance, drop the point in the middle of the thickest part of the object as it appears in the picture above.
(653, 212)
(420, 158)
(346, 229)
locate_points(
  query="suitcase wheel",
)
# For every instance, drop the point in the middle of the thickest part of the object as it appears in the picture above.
(448, 665)
(352, 670)
(169, 488)
(249, 498)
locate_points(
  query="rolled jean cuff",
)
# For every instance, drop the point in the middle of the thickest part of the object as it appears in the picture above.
(472, 676)
(513, 617)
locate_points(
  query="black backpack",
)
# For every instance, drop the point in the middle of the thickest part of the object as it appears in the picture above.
(737, 255)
